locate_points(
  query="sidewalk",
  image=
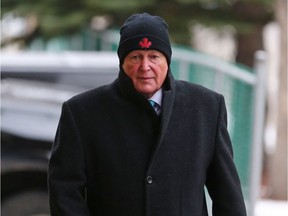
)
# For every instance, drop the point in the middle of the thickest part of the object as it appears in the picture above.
(271, 208)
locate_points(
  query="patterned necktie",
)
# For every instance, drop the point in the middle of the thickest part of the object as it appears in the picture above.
(156, 106)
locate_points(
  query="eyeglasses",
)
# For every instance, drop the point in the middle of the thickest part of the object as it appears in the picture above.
(153, 58)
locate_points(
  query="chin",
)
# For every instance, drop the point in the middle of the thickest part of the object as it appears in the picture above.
(147, 91)
(147, 94)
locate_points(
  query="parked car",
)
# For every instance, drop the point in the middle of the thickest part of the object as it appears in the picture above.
(33, 87)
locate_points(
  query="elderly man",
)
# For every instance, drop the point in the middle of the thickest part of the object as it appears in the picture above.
(146, 144)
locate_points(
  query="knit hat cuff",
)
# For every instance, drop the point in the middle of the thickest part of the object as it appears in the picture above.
(144, 42)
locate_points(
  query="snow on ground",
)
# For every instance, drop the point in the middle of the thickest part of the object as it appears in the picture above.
(271, 208)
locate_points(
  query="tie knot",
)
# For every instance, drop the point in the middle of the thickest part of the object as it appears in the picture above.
(152, 103)
(156, 106)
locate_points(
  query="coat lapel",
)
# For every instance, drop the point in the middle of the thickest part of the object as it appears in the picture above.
(168, 99)
(128, 90)
(166, 110)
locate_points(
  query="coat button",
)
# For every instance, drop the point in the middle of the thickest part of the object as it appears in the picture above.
(149, 179)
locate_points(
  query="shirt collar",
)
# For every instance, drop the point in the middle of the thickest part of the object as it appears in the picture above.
(157, 97)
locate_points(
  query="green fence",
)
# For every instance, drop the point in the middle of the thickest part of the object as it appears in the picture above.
(239, 101)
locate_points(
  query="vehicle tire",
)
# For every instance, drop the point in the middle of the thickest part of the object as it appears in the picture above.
(30, 203)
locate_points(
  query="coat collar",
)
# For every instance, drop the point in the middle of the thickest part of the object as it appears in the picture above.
(166, 111)
(129, 91)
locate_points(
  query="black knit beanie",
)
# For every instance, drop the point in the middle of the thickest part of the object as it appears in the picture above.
(144, 32)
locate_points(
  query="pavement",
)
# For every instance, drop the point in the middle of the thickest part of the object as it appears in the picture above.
(268, 207)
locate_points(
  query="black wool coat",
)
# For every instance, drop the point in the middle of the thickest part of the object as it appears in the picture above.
(113, 156)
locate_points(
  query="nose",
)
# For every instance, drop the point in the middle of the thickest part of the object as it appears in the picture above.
(145, 64)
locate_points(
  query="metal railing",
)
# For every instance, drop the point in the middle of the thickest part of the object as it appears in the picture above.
(257, 81)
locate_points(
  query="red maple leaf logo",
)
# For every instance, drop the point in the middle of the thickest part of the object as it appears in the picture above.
(145, 43)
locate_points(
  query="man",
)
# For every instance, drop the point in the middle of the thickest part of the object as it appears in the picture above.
(117, 154)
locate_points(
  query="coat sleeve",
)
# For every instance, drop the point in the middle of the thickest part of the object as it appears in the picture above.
(223, 182)
(66, 171)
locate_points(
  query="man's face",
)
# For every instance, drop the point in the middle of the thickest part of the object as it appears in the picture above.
(147, 69)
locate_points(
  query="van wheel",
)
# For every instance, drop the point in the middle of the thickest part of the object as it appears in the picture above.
(30, 203)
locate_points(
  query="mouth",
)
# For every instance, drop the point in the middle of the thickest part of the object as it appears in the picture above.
(145, 78)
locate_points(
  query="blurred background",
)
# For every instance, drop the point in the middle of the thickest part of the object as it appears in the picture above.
(52, 50)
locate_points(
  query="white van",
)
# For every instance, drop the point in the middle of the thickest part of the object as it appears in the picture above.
(33, 87)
